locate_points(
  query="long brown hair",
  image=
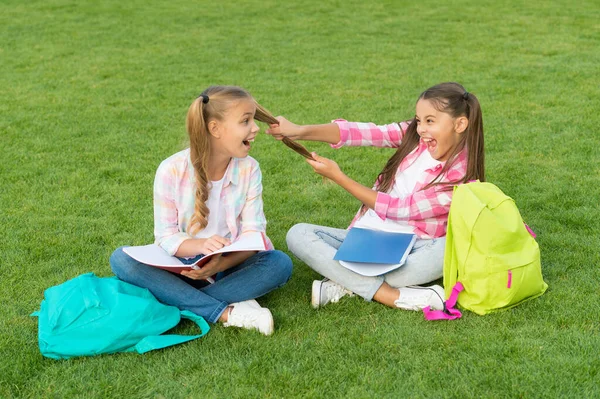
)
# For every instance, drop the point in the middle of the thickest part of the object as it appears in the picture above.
(453, 99)
(212, 104)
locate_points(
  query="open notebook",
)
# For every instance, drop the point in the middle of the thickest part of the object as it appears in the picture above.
(153, 255)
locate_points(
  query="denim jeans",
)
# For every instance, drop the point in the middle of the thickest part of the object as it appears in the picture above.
(316, 246)
(256, 276)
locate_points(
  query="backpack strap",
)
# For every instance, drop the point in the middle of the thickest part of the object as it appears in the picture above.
(162, 341)
(449, 312)
(529, 230)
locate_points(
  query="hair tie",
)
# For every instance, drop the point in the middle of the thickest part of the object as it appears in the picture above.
(204, 98)
(465, 96)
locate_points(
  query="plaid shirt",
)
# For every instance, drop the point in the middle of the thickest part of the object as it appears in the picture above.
(175, 193)
(425, 210)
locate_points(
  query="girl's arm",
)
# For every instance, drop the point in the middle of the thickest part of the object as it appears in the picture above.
(427, 209)
(342, 133)
(420, 205)
(167, 233)
(195, 246)
(327, 133)
(252, 216)
(218, 264)
(331, 170)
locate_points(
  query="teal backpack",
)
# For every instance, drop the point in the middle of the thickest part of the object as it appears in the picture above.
(88, 316)
(492, 261)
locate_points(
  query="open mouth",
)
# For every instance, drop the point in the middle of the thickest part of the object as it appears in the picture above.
(431, 143)
(247, 142)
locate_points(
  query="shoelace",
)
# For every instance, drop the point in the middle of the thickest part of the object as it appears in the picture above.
(335, 292)
(425, 289)
(419, 299)
(247, 319)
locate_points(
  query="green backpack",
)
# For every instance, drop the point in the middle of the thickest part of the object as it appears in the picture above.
(490, 251)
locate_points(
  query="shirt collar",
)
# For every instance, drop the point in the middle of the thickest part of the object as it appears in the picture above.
(459, 161)
(232, 174)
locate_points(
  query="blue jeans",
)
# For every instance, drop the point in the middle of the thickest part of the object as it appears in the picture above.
(316, 246)
(256, 276)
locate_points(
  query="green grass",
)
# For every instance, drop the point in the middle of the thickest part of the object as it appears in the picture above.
(94, 96)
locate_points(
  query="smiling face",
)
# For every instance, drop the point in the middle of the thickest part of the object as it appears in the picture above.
(232, 136)
(439, 130)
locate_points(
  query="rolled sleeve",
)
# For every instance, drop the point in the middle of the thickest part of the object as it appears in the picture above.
(343, 125)
(355, 134)
(392, 207)
(172, 243)
(167, 232)
(252, 216)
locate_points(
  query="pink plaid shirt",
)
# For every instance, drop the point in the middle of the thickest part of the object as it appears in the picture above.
(174, 196)
(425, 210)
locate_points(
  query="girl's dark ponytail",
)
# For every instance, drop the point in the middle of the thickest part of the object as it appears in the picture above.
(474, 143)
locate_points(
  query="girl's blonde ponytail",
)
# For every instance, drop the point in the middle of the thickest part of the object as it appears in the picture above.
(199, 153)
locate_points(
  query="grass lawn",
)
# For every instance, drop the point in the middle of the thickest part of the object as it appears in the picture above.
(94, 96)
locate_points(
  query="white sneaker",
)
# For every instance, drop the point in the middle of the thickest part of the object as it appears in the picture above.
(417, 298)
(250, 315)
(325, 291)
(254, 304)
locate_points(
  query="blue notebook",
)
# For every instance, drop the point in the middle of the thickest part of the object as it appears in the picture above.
(374, 252)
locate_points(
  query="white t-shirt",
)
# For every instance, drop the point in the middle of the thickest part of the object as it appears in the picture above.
(404, 185)
(217, 224)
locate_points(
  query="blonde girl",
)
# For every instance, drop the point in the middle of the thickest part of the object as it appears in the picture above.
(205, 197)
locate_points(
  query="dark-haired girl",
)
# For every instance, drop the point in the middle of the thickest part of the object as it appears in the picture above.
(440, 147)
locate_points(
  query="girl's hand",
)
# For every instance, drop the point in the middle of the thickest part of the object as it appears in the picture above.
(212, 267)
(325, 167)
(284, 128)
(213, 244)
